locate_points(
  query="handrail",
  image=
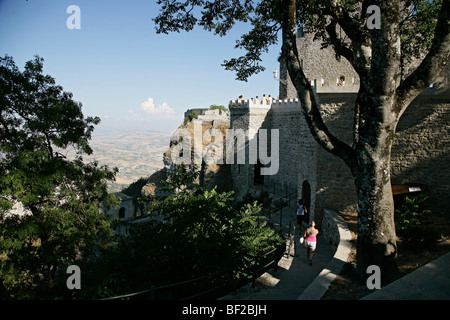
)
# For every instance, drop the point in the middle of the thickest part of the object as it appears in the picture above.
(288, 198)
(153, 288)
(258, 269)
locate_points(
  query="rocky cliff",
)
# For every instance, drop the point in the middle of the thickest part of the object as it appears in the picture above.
(212, 173)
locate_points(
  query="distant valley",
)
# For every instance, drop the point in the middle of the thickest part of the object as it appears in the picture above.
(135, 153)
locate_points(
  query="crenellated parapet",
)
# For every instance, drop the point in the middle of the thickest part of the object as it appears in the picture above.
(274, 103)
(289, 103)
(341, 84)
(247, 103)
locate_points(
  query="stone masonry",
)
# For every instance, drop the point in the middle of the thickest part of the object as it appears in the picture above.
(297, 148)
(420, 153)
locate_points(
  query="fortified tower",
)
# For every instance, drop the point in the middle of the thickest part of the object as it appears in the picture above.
(327, 75)
(295, 147)
(420, 152)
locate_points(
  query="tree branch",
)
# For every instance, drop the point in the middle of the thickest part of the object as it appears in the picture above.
(352, 29)
(339, 46)
(358, 52)
(306, 95)
(431, 66)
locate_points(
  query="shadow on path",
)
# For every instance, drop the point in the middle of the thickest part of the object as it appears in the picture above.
(294, 274)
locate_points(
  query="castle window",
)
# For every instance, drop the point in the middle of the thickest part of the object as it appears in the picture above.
(258, 178)
(122, 213)
(341, 81)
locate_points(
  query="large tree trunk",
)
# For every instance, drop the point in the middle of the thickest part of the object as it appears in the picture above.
(376, 244)
(376, 124)
(382, 99)
(368, 158)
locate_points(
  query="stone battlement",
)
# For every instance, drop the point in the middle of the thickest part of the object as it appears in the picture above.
(335, 85)
(247, 104)
(287, 102)
(274, 103)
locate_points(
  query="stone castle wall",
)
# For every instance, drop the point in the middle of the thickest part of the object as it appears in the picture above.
(420, 153)
(245, 115)
(321, 67)
(335, 187)
(421, 150)
(301, 159)
(296, 146)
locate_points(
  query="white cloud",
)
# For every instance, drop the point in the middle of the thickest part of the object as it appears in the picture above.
(163, 110)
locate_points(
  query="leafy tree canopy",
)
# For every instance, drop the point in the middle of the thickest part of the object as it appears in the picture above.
(321, 17)
(61, 197)
(199, 233)
(219, 107)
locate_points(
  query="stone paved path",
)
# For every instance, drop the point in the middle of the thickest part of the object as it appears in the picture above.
(294, 274)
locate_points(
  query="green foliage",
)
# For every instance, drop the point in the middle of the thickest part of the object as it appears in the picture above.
(410, 221)
(135, 188)
(222, 109)
(373, 53)
(190, 117)
(417, 24)
(263, 198)
(61, 197)
(199, 233)
(418, 27)
(193, 115)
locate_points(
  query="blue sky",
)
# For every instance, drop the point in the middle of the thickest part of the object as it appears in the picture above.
(120, 69)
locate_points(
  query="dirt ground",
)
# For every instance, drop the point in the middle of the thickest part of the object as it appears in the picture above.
(348, 285)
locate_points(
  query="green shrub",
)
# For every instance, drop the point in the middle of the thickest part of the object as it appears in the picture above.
(410, 221)
(199, 233)
(222, 109)
(263, 199)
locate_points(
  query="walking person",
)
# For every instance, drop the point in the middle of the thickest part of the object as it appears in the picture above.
(310, 237)
(300, 212)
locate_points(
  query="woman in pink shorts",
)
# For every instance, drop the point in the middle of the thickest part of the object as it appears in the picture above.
(310, 241)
